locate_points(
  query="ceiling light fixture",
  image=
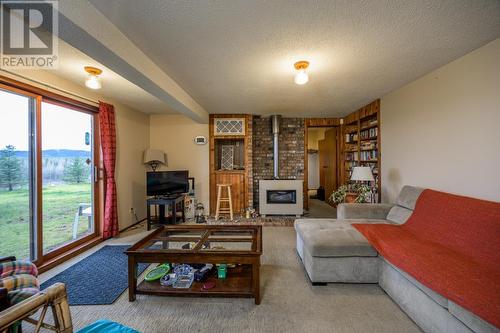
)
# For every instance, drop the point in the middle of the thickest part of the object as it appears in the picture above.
(93, 81)
(301, 77)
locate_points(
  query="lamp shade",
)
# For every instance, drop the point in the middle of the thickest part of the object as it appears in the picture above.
(362, 174)
(154, 156)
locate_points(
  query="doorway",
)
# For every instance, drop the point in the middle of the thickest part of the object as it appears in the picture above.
(48, 192)
(322, 174)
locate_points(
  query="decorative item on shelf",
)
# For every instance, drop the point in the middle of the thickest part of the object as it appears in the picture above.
(200, 213)
(189, 206)
(227, 158)
(191, 186)
(154, 157)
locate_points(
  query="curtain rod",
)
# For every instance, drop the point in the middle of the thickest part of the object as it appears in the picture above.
(51, 87)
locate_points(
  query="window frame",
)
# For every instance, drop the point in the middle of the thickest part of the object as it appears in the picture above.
(40, 95)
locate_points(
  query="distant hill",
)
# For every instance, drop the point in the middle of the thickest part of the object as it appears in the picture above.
(56, 153)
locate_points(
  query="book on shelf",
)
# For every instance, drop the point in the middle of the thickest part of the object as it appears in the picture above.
(369, 133)
(368, 123)
(351, 137)
(350, 148)
(369, 155)
(351, 129)
(351, 156)
(368, 145)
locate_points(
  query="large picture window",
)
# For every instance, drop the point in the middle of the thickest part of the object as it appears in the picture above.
(48, 183)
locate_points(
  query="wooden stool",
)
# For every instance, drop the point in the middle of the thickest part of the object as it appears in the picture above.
(228, 199)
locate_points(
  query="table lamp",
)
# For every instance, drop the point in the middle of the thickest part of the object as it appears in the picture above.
(154, 157)
(362, 173)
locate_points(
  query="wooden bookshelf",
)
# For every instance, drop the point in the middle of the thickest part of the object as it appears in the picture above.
(361, 142)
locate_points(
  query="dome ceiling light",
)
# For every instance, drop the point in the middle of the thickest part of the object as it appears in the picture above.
(301, 77)
(93, 81)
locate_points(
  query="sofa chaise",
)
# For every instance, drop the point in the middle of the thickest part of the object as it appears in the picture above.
(385, 244)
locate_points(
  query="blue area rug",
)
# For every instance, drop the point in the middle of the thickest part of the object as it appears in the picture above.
(98, 279)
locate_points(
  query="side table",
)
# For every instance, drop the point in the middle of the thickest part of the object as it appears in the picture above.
(163, 202)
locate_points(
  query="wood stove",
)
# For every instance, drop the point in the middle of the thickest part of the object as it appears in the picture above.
(281, 196)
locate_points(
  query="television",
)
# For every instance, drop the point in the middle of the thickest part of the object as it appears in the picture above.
(167, 182)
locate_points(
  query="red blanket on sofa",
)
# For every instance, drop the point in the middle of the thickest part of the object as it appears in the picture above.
(450, 244)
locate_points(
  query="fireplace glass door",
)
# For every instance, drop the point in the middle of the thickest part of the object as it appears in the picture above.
(281, 196)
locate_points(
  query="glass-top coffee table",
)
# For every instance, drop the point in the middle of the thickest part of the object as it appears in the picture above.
(238, 246)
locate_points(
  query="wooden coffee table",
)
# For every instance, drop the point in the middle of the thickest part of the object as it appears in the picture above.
(240, 246)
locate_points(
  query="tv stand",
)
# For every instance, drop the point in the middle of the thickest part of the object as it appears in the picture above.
(174, 200)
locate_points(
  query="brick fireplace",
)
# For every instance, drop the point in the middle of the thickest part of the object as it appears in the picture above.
(290, 156)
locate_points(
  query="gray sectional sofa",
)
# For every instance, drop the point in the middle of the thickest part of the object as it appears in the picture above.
(332, 250)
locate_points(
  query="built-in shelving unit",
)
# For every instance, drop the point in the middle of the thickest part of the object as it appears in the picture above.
(230, 140)
(361, 142)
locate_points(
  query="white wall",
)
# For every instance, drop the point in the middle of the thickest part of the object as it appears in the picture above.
(442, 131)
(132, 138)
(174, 134)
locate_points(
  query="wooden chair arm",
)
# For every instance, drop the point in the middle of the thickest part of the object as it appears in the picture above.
(9, 258)
(54, 297)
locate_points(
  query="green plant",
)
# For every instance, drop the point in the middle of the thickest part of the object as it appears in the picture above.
(339, 195)
(362, 190)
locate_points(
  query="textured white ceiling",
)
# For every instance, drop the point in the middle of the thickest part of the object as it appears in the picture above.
(236, 56)
(71, 63)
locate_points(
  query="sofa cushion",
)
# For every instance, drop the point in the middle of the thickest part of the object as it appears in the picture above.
(303, 226)
(408, 196)
(334, 239)
(399, 215)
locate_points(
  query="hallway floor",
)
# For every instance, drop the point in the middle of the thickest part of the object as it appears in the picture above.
(320, 209)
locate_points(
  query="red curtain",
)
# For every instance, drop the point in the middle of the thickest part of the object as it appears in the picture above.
(108, 144)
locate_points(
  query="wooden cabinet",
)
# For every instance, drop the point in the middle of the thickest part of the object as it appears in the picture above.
(238, 185)
(230, 139)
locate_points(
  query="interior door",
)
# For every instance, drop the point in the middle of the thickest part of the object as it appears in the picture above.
(328, 161)
(323, 161)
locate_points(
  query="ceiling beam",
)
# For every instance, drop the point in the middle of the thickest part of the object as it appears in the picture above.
(85, 28)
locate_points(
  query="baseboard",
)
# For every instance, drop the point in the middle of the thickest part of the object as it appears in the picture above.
(133, 225)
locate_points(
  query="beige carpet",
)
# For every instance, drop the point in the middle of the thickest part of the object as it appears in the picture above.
(289, 302)
(320, 209)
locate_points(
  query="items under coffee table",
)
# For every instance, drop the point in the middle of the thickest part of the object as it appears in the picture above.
(232, 251)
